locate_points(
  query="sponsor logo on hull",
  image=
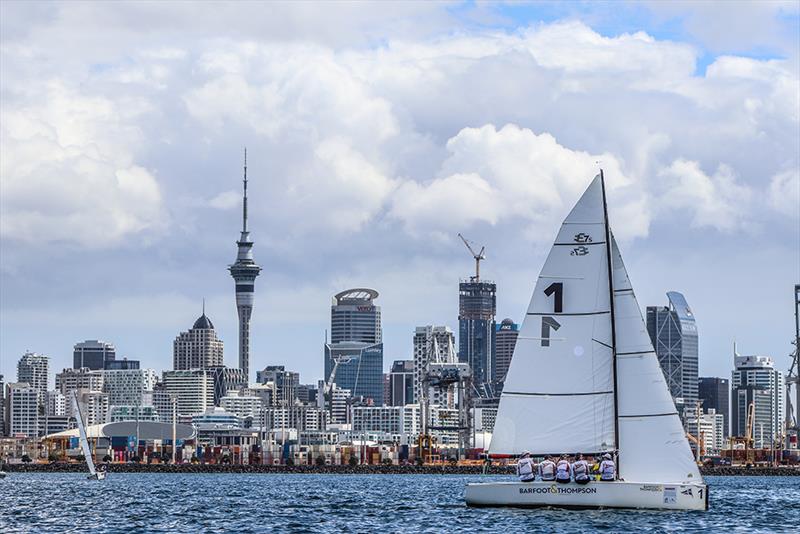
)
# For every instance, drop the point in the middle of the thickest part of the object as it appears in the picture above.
(558, 490)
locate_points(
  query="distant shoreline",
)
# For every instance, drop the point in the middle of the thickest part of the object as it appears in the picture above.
(344, 469)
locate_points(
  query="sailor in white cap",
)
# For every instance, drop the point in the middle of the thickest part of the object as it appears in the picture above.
(526, 469)
(608, 469)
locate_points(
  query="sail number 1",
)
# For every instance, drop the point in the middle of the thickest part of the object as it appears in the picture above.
(548, 323)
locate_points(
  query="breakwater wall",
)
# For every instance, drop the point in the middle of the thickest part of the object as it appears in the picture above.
(345, 469)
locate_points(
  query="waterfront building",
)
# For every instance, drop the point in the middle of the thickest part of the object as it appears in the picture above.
(55, 423)
(193, 389)
(477, 306)
(242, 405)
(33, 370)
(226, 380)
(355, 317)
(711, 430)
(163, 402)
(307, 393)
(265, 392)
(483, 418)
(300, 417)
(56, 403)
(93, 354)
(244, 272)
(401, 383)
(401, 422)
(132, 387)
(340, 405)
(673, 331)
(22, 409)
(715, 395)
(755, 380)
(432, 344)
(117, 414)
(285, 383)
(121, 365)
(215, 417)
(94, 406)
(198, 348)
(505, 341)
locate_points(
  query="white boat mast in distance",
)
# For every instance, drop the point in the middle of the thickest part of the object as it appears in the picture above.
(87, 451)
(584, 378)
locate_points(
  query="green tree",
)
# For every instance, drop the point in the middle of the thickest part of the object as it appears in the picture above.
(26, 459)
(353, 461)
(321, 459)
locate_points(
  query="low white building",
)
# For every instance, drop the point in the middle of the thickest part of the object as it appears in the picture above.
(711, 431)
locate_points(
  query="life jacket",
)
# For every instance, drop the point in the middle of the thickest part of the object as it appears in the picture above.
(525, 469)
(580, 469)
(607, 470)
(548, 470)
(562, 470)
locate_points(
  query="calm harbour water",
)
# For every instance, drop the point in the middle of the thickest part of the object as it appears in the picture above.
(355, 503)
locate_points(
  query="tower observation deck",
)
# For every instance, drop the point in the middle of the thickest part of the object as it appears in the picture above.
(244, 272)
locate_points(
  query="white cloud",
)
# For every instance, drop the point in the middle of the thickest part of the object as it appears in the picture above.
(784, 193)
(716, 200)
(68, 169)
(226, 200)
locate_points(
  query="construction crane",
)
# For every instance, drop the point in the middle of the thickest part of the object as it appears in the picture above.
(793, 379)
(748, 439)
(477, 255)
(326, 391)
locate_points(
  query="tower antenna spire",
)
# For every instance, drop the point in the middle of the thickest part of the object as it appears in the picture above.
(204, 305)
(244, 204)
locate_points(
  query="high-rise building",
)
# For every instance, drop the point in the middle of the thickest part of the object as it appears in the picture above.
(94, 405)
(226, 379)
(193, 389)
(56, 403)
(710, 431)
(355, 317)
(69, 380)
(22, 409)
(132, 387)
(121, 365)
(93, 354)
(432, 344)
(715, 395)
(244, 272)
(199, 348)
(285, 383)
(401, 383)
(356, 349)
(756, 381)
(33, 369)
(477, 306)
(505, 340)
(307, 393)
(673, 331)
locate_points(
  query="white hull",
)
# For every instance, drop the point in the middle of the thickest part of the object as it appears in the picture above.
(618, 494)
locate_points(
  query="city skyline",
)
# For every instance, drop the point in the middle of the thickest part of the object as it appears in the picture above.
(141, 231)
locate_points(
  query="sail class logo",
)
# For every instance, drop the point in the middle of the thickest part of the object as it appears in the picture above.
(583, 238)
(579, 251)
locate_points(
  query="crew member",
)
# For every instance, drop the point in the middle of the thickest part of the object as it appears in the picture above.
(580, 470)
(562, 470)
(608, 469)
(547, 469)
(526, 468)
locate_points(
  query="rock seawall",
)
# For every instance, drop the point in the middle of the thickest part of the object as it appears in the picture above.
(345, 469)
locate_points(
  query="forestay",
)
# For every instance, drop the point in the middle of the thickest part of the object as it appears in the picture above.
(558, 395)
(87, 452)
(653, 446)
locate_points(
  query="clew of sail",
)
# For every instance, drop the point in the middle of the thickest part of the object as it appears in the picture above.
(558, 395)
(87, 452)
(653, 446)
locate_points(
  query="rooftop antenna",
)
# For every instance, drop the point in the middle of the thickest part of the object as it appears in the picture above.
(244, 208)
(478, 257)
(204, 305)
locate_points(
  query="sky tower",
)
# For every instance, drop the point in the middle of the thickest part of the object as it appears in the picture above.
(244, 272)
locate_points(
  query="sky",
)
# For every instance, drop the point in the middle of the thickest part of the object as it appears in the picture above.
(376, 132)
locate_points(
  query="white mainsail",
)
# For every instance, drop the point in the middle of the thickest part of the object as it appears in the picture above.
(558, 395)
(653, 446)
(87, 451)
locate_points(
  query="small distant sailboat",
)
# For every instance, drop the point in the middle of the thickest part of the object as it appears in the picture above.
(87, 451)
(584, 378)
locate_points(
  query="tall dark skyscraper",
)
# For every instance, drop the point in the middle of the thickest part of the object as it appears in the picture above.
(356, 343)
(715, 394)
(673, 331)
(93, 354)
(244, 272)
(477, 305)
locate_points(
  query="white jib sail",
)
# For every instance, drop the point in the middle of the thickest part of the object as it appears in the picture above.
(87, 451)
(653, 446)
(558, 395)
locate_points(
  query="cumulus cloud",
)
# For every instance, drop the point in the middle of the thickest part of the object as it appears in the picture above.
(784, 192)
(717, 200)
(68, 171)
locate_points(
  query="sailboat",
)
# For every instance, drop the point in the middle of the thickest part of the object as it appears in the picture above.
(87, 451)
(584, 379)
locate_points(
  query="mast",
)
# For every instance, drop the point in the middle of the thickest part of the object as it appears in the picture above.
(613, 321)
